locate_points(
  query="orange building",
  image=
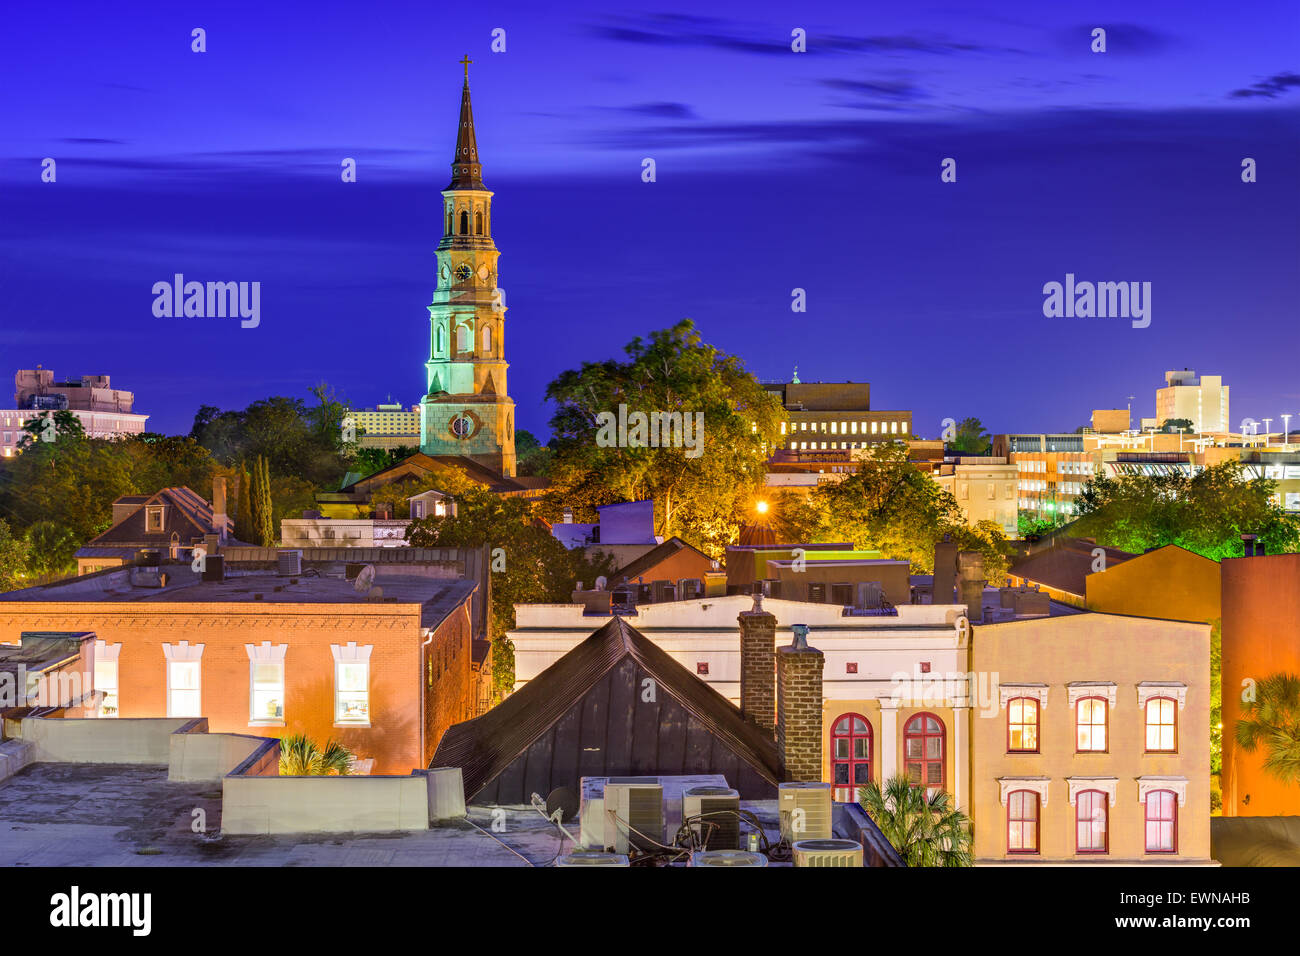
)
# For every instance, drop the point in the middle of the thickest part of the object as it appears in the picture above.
(384, 672)
(1169, 582)
(1261, 636)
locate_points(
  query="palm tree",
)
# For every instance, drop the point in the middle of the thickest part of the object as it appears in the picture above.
(923, 826)
(300, 757)
(1272, 718)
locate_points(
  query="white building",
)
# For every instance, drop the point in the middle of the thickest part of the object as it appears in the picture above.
(108, 424)
(1202, 399)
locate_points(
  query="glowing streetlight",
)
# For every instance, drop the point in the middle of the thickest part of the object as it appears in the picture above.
(761, 507)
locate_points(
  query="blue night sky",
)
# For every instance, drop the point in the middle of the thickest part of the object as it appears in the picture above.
(775, 170)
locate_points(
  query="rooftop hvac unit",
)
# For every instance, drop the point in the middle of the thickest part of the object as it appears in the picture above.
(842, 594)
(661, 591)
(827, 853)
(719, 808)
(634, 814)
(644, 594)
(727, 858)
(690, 588)
(289, 562)
(805, 810)
(817, 592)
(213, 568)
(870, 594)
(592, 858)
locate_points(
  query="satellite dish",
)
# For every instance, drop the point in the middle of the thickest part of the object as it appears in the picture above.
(565, 801)
(600, 583)
(365, 579)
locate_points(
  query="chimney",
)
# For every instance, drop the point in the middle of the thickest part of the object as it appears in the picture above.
(758, 666)
(568, 516)
(945, 570)
(219, 508)
(799, 708)
(970, 584)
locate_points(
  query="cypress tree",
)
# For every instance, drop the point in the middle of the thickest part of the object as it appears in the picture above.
(244, 506)
(265, 528)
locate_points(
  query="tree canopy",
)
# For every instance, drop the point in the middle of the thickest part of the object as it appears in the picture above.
(701, 489)
(1206, 512)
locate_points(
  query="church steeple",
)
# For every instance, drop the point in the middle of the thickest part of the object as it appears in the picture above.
(466, 171)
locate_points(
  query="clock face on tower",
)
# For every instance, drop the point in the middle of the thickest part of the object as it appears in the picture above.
(463, 272)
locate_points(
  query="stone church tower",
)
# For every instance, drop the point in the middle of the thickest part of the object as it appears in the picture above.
(467, 410)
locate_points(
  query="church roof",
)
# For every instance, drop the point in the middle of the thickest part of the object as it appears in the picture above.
(466, 171)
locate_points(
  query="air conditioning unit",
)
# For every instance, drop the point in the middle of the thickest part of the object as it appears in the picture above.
(719, 808)
(827, 853)
(662, 591)
(805, 810)
(842, 594)
(634, 813)
(289, 562)
(727, 858)
(592, 858)
(817, 592)
(690, 588)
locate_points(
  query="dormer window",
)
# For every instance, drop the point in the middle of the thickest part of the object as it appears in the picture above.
(153, 519)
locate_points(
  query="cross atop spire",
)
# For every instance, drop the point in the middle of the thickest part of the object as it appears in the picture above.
(466, 173)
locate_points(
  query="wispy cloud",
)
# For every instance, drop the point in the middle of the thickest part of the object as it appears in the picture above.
(684, 30)
(1271, 88)
(659, 110)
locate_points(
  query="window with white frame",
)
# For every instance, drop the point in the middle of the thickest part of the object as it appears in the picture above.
(106, 677)
(351, 684)
(153, 519)
(184, 679)
(266, 682)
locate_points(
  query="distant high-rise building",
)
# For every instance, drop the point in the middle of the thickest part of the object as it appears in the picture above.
(104, 411)
(1201, 399)
(835, 416)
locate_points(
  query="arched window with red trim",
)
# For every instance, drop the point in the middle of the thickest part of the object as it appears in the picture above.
(1162, 725)
(924, 748)
(1162, 821)
(851, 741)
(1092, 822)
(1090, 725)
(1022, 725)
(1022, 821)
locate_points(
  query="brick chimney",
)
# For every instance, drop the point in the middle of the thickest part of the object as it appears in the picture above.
(970, 584)
(799, 708)
(758, 665)
(219, 508)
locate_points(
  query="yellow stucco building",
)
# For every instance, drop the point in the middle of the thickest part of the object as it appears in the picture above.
(1094, 746)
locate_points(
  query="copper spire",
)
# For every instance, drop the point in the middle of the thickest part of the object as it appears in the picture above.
(466, 172)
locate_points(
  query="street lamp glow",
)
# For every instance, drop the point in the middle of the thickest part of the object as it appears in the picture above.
(761, 507)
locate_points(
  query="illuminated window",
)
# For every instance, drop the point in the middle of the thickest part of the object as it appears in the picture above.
(1022, 725)
(183, 691)
(1090, 724)
(851, 756)
(1162, 821)
(1091, 822)
(106, 681)
(267, 696)
(1162, 725)
(923, 751)
(1022, 821)
(873, 428)
(351, 683)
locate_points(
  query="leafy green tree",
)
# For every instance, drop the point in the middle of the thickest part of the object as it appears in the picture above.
(50, 550)
(925, 828)
(1175, 425)
(13, 559)
(302, 757)
(971, 438)
(700, 493)
(528, 565)
(531, 456)
(368, 461)
(1216, 696)
(890, 506)
(51, 428)
(1206, 513)
(1271, 722)
(262, 507)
